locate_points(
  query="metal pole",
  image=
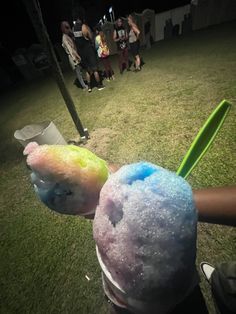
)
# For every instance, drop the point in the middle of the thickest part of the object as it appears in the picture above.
(35, 14)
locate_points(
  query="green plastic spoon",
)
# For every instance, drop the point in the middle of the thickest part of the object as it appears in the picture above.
(204, 139)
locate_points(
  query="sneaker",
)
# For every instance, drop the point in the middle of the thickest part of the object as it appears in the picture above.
(207, 270)
(85, 88)
(100, 87)
(137, 69)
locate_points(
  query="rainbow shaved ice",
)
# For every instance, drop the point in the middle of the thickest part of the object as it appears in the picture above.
(67, 178)
(145, 232)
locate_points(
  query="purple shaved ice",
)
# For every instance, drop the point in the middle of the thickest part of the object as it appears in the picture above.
(145, 232)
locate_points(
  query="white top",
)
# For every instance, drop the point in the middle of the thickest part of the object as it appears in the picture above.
(70, 48)
(132, 36)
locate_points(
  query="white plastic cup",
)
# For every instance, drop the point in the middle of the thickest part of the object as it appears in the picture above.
(42, 133)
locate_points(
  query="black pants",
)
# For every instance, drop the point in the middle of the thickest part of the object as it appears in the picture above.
(223, 287)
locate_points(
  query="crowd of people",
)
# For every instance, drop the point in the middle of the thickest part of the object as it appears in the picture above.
(87, 49)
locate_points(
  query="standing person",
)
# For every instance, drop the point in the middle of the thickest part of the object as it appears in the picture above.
(120, 36)
(70, 48)
(103, 52)
(84, 44)
(147, 31)
(134, 42)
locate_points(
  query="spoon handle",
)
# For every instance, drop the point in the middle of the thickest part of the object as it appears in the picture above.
(204, 139)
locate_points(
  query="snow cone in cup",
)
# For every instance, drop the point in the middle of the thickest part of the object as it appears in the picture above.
(145, 233)
(67, 178)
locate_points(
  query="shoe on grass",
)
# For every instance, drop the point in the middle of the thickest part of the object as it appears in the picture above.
(207, 270)
(101, 86)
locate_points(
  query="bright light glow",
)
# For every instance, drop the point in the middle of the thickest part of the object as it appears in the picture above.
(110, 9)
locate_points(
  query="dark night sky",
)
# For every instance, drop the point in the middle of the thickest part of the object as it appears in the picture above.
(17, 30)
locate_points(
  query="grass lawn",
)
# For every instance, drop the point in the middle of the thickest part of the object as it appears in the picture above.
(153, 115)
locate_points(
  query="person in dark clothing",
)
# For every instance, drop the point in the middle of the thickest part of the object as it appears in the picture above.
(134, 42)
(147, 30)
(120, 36)
(84, 43)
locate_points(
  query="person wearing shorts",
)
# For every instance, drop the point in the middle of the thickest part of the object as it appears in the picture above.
(134, 42)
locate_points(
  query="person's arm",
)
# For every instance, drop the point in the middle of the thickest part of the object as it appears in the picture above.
(97, 42)
(115, 38)
(126, 35)
(136, 30)
(75, 54)
(216, 205)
